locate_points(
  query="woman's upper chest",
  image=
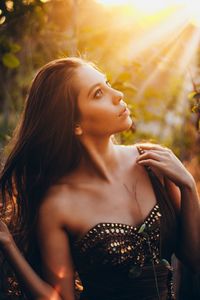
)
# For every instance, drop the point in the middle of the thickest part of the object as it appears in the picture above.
(127, 200)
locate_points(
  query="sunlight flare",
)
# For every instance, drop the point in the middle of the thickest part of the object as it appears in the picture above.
(146, 7)
(114, 2)
(150, 7)
(182, 60)
(171, 54)
(189, 52)
(164, 30)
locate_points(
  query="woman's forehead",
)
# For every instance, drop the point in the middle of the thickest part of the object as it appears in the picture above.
(89, 76)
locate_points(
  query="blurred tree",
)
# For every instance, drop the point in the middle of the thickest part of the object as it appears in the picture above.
(29, 37)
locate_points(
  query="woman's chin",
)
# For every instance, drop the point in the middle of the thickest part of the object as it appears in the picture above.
(129, 123)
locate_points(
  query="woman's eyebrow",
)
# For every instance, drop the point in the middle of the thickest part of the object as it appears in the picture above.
(95, 85)
(91, 89)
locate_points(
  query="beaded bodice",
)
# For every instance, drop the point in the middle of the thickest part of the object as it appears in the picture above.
(117, 244)
(117, 261)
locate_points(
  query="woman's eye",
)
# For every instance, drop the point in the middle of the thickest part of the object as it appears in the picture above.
(98, 93)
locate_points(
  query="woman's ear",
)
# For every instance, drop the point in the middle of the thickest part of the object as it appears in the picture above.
(78, 130)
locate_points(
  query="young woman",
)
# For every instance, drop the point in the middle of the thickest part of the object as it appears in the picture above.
(115, 214)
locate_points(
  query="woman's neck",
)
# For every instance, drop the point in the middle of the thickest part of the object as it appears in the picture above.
(100, 157)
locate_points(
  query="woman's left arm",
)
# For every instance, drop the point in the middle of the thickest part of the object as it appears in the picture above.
(183, 192)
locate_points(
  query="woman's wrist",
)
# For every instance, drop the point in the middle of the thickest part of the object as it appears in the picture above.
(8, 244)
(189, 183)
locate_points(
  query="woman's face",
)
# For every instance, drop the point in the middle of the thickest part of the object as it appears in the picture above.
(102, 108)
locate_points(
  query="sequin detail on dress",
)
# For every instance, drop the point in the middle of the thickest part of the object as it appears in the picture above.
(119, 244)
(115, 261)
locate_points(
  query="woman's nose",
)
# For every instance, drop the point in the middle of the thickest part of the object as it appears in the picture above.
(118, 96)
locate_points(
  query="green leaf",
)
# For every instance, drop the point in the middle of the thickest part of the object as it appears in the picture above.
(142, 228)
(136, 64)
(128, 85)
(166, 264)
(191, 95)
(14, 47)
(10, 61)
(195, 108)
(124, 76)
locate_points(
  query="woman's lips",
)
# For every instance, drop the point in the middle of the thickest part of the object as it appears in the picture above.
(124, 112)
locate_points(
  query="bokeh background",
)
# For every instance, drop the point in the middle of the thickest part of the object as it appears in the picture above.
(149, 49)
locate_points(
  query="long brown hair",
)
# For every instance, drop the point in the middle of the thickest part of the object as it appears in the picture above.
(43, 148)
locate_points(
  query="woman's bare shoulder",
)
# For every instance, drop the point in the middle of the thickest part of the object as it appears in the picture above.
(133, 149)
(128, 151)
(131, 152)
(57, 203)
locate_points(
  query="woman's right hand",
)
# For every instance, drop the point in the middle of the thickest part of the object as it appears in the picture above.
(5, 235)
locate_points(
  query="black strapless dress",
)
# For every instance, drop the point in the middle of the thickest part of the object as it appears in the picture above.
(117, 261)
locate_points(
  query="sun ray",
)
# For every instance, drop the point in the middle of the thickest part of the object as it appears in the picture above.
(182, 100)
(181, 64)
(170, 42)
(181, 104)
(156, 34)
(156, 72)
(189, 51)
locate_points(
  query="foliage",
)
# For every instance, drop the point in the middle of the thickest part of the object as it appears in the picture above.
(32, 32)
(194, 98)
(28, 39)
